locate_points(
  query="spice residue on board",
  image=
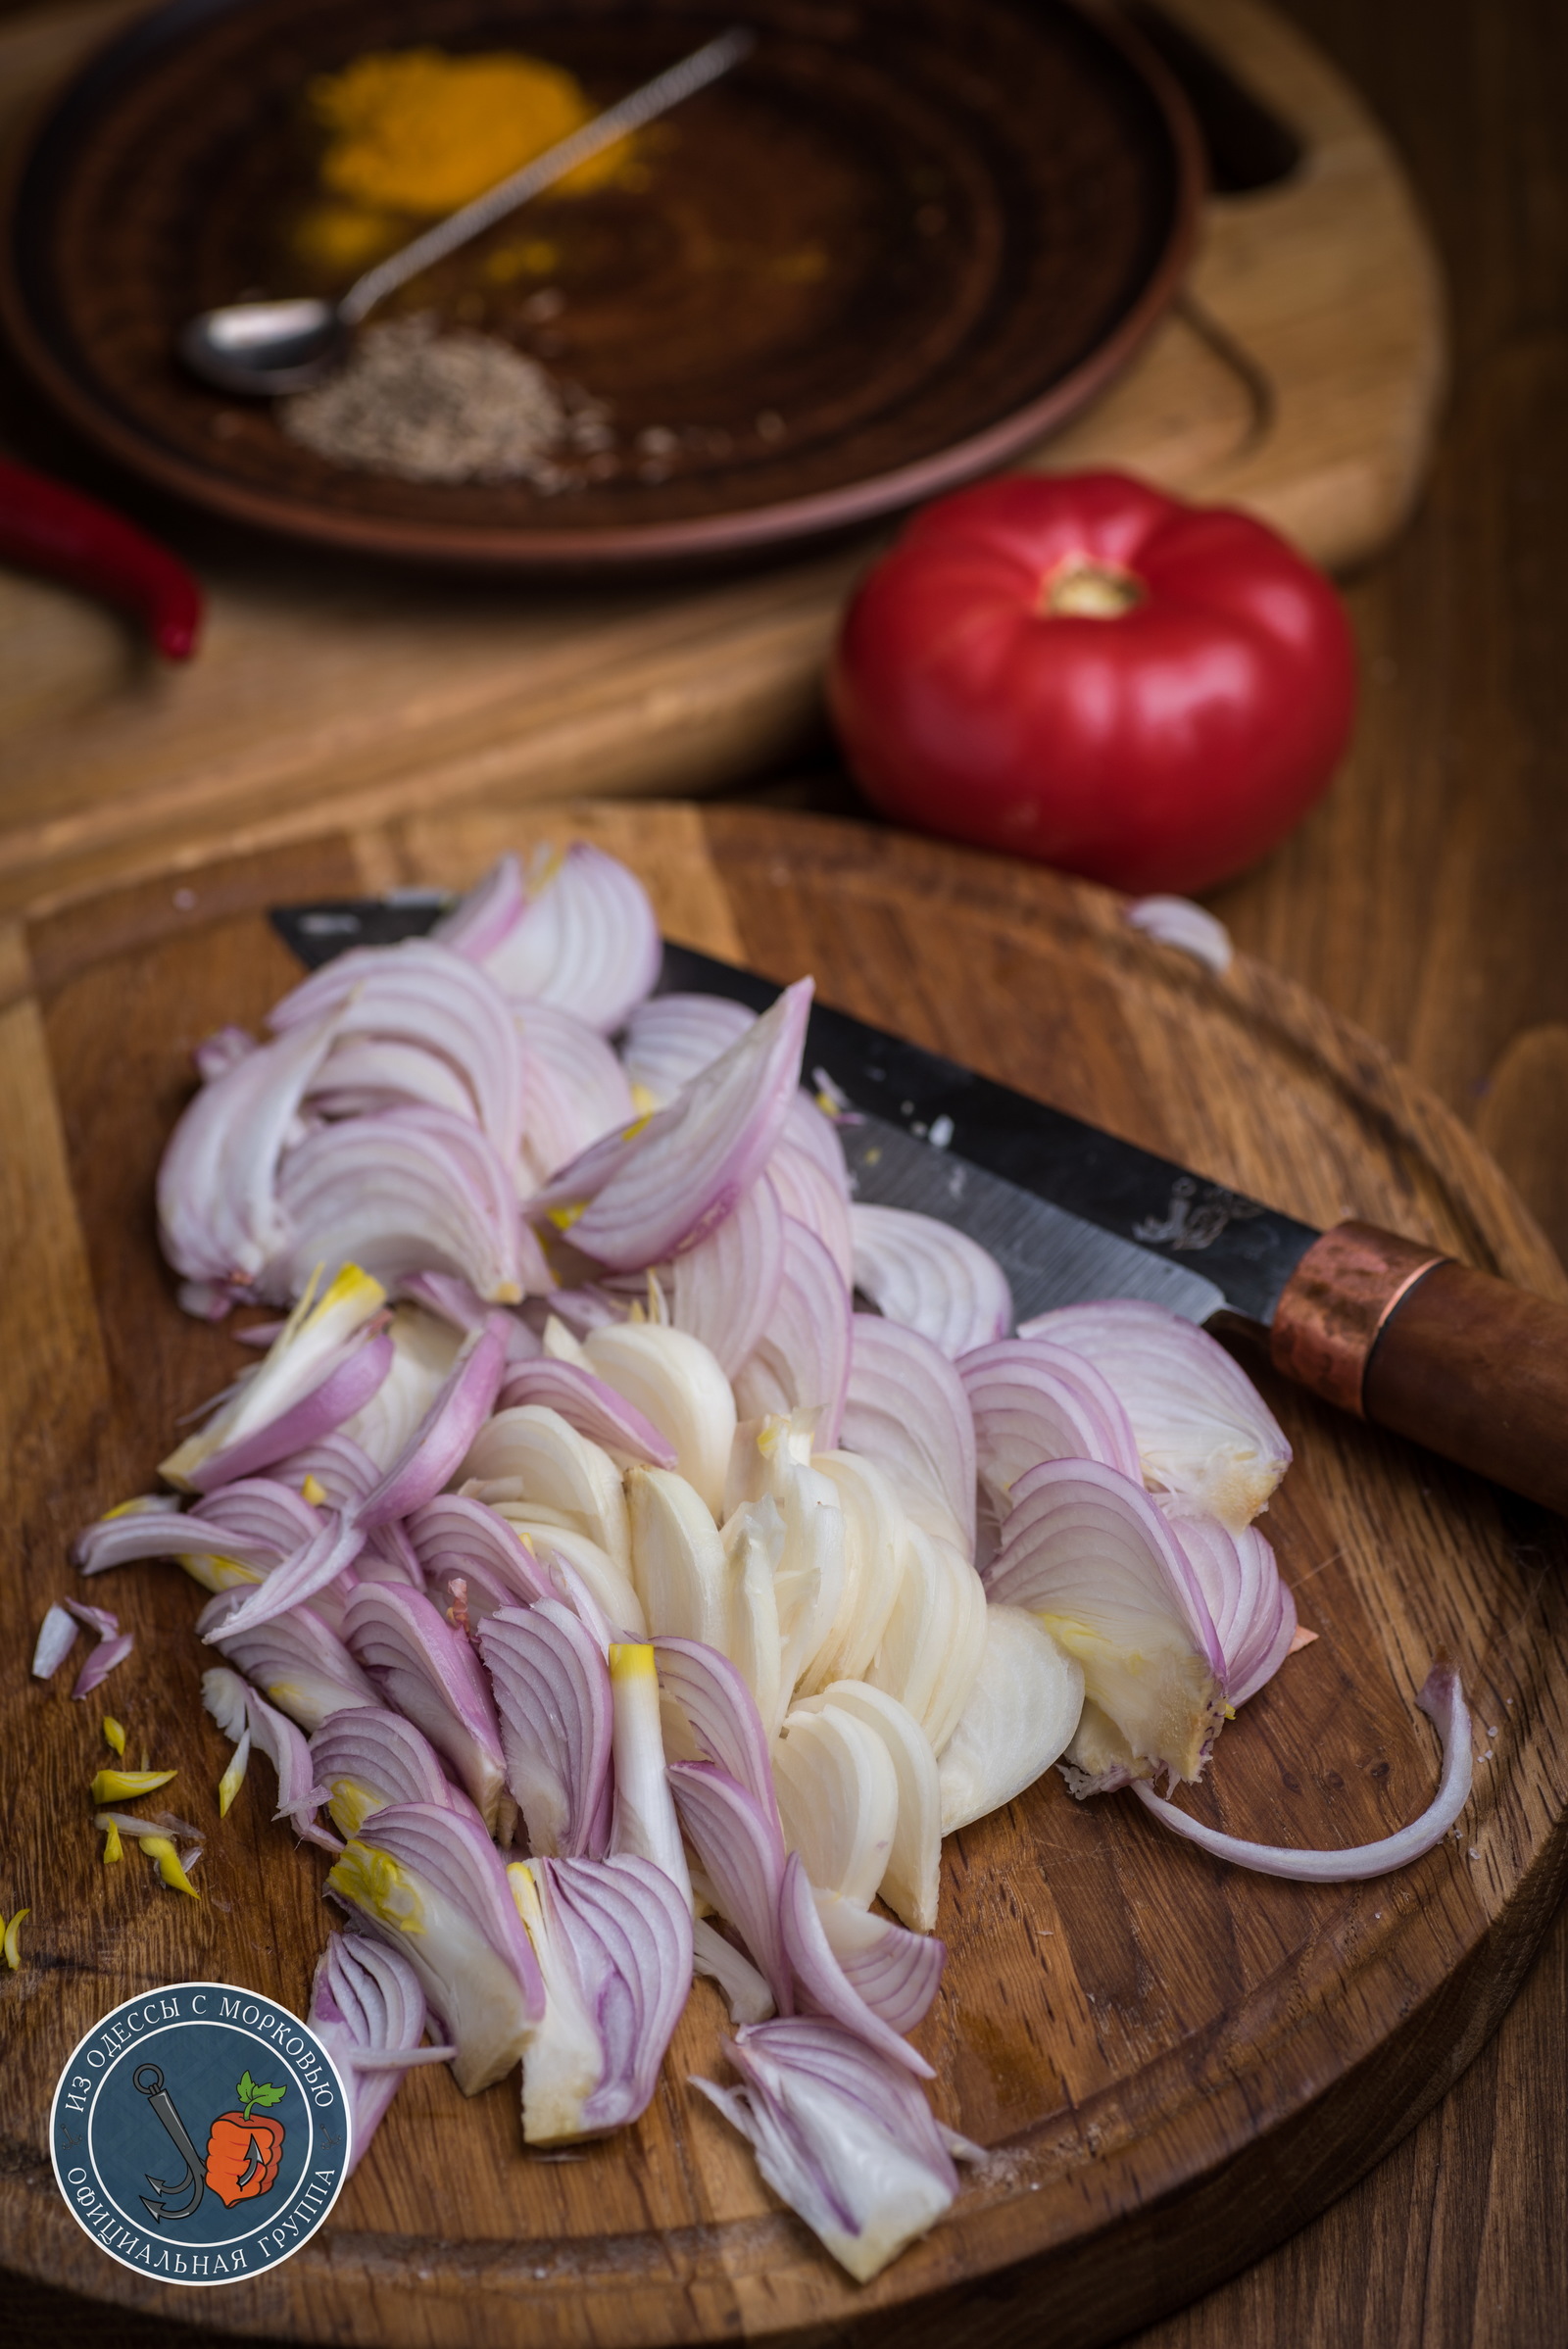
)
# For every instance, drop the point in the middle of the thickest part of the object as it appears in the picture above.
(414, 134)
(448, 407)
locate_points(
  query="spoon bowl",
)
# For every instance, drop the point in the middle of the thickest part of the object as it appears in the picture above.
(265, 346)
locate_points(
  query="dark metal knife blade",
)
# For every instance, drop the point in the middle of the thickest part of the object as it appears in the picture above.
(1381, 1326)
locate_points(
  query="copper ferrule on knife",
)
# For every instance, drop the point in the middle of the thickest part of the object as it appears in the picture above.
(1336, 1303)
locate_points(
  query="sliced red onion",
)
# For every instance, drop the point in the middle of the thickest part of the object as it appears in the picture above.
(57, 1637)
(1253, 1613)
(580, 1573)
(552, 1690)
(424, 1347)
(816, 1198)
(404, 1191)
(257, 1519)
(587, 938)
(805, 1549)
(821, 1985)
(239, 1712)
(742, 1988)
(452, 1301)
(307, 1573)
(366, 1758)
(1442, 1699)
(223, 1051)
(644, 1823)
(613, 1940)
(323, 1365)
(429, 1882)
(531, 1454)
(740, 1857)
(843, 2136)
(906, 1409)
(369, 2012)
(579, 1310)
(1035, 1401)
(724, 1291)
(1022, 1716)
(1202, 1428)
(895, 1972)
(354, 1378)
(1179, 922)
(300, 1663)
(219, 1218)
(873, 1566)
(838, 1799)
(420, 992)
(576, 1088)
(388, 1557)
(429, 1672)
(1087, 1550)
(910, 1881)
(661, 1185)
(710, 1715)
(362, 1075)
(672, 1037)
(592, 1407)
(101, 1663)
(479, 923)
(811, 1129)
(931, 1277)
(802, 1360)
(931, 1651)
(447, 1429)
(452, 1533)
(345, 1472)
(672, 1380)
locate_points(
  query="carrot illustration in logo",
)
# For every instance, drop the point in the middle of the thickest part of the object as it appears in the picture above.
(243, 2152)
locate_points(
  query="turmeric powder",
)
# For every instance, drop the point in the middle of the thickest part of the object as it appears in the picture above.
(418, 133)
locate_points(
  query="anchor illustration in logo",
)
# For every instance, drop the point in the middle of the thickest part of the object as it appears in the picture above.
(242, 2155)
(148, 2081)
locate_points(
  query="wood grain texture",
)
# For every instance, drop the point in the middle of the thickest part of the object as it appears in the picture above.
(1300, 376)
(1175, 2064)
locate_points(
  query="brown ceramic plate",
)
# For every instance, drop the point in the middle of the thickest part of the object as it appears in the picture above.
(894, 248)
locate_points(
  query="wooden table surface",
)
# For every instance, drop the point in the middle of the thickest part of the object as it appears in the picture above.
(1428, 900)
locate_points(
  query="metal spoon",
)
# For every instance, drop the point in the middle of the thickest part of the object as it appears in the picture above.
(265, 347)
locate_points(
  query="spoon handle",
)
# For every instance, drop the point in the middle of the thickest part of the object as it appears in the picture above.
(654, 98)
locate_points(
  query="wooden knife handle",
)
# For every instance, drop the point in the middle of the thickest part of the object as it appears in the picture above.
(1465, 1364)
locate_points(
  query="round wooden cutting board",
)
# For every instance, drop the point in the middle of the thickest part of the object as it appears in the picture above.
(1173, 2064)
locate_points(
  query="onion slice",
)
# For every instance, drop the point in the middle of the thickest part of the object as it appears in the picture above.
(585, 937)
(1442, 1699)
(428, 1881)
(367, 1758)
(931, 1277)
(551, 1689)
(843, 2136)
(821, 1983)
(613, 1942)
(447, 1429)
(429, 1672)
(240, 1713)
(908, 1411)
(593, 1407)
(661, 1185)
(1088, 1551)
(644, 1820)
(369, 2012)
(297, 1660)
(802, 1360)
(740, 1859)
(1202, 1428)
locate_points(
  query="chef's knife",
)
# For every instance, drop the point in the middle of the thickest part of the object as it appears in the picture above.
(1386, 1328)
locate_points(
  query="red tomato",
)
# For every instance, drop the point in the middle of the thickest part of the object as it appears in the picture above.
(1081, 670)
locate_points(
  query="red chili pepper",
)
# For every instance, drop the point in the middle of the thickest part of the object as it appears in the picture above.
(46, 527)
(243, 2152)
